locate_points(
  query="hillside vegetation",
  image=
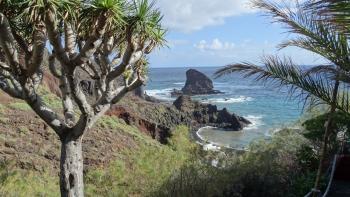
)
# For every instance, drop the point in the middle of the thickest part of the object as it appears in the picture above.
(121, 160)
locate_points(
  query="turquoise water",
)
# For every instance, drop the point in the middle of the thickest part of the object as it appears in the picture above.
(267, 107)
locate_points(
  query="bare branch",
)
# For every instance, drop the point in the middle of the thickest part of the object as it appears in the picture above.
(45, 113)
(92, 43)
(126, 58)
(52, 66)
(70, 39)
(78, 94)
(129, 57)
(55, 38)
(67, 102)
(93, 66)
(90, 70)
(16, 84)
(108, 45)
(21, 43)
(13, 91)
(39, 43)
(37, 78)
(150, 47)
(136, 83)
(7, 43)
(4, 86)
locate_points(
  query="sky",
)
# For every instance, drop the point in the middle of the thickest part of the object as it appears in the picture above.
(218, 32)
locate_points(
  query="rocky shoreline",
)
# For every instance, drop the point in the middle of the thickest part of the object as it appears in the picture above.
(209, 115)
(157, 118)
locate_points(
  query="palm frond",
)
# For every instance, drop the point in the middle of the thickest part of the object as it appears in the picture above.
(146, 22)
(336, 12)
(315, 34)
(113, 10)
(326, 69)
(312, 89)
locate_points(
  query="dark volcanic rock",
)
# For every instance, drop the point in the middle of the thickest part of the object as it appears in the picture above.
(207, 114)
(184, 103)
(197, 83)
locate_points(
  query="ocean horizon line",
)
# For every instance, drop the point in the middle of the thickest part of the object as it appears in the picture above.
(197, 67)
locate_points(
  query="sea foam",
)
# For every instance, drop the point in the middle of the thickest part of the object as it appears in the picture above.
(179, 83)
(256, 121)
(162, 94)
(240, 99)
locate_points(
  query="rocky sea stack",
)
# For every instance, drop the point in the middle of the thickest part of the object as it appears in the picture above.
(197, 83)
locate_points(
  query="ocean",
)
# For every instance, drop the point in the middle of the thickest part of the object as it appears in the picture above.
(267, 108)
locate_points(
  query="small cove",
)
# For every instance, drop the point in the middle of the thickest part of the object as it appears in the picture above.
(267, 108)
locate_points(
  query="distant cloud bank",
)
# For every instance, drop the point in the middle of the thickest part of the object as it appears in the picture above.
(192, 15)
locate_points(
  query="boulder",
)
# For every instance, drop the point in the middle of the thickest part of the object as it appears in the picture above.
(197, 83)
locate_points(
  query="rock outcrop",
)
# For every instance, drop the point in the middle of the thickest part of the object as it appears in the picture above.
(157, 119)
(197, 83)
(209, 115)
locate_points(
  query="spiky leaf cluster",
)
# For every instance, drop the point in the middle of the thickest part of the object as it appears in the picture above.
(312, 32)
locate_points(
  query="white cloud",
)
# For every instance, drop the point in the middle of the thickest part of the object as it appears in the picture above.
(214, 45)
(192, 15)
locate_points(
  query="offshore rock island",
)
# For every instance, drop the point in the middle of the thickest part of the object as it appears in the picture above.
(197, 83)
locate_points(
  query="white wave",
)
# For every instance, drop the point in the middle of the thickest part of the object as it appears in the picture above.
(163, 94)
(211, 147)
(240, 99)
(179, 83)
(255, 120)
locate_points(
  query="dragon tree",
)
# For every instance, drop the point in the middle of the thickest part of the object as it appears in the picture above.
(108, 40)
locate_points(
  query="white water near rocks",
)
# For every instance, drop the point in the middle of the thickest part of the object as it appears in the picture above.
(233, 139)
(267, 108)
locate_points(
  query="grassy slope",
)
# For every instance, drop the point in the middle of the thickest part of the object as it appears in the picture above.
(137, 172)
(119, 159)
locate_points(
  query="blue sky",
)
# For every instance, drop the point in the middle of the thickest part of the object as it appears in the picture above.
(215, 33)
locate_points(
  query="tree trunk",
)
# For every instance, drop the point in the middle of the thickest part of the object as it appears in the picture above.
(328, 131)
(322, 157)
(71, 164)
